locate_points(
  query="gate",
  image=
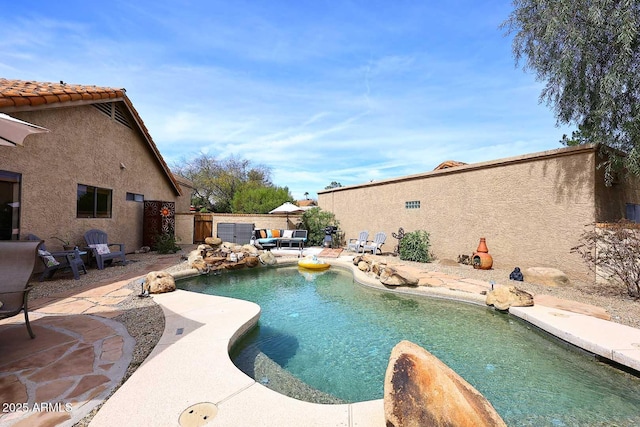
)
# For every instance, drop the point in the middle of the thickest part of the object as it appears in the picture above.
(203, 227)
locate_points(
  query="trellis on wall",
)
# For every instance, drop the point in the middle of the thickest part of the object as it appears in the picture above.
(159, 219)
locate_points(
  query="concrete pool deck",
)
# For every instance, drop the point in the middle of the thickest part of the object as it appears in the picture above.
(191, 364)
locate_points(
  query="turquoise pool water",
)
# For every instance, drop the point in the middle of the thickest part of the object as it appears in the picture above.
(336, 336)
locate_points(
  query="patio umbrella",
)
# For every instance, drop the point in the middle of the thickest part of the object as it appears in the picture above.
(14, 131)
(287, 207)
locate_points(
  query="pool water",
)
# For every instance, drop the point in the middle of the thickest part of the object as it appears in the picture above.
(336, 336)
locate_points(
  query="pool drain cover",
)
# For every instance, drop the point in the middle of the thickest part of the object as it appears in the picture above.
(198, 415)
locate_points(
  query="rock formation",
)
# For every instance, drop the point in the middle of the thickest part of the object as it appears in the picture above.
(388, 276)
(158, 282)
(420, 390)
(504, 297)
(219, 255)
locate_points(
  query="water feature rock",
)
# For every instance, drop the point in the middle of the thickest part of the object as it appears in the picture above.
(363, 266)
(545, 276)
(252, 261)
(213, 241)
(391, 277)
(504, 297)
(420, 390)
(268, 258)
(196, 261)
(250, 249)
(158, 282)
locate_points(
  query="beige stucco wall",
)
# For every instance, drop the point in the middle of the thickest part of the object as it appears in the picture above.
(531, 209)
(184, 228)
(84, 147)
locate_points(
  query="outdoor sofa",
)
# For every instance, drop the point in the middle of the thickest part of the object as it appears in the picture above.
(271, 238)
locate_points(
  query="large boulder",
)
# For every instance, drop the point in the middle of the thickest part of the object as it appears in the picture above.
(213, 241)
(252, 261)
(389, 276)
(196, 261)
(504, 297)
(267, 258)
(545, 276)
(158, 282)
(420, 390)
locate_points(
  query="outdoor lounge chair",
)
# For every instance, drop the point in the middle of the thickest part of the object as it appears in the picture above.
(356, 244)
(54, 261)
(98, 244)
(17, 261)
(376, 245)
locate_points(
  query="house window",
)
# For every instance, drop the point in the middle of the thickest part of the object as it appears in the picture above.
(9, 205)
(133, 197)
(633, 212)
(93, 202)
(414, 204)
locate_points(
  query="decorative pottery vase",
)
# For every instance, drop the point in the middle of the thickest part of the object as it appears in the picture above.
(481, 259)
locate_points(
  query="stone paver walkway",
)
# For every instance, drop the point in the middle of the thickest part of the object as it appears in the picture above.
(79, 354)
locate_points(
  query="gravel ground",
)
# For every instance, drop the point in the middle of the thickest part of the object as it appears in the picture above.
(145, 322)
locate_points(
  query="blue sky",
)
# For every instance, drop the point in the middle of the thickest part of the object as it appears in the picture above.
(319, 91)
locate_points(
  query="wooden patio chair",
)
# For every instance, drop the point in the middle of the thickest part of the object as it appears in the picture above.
(98, 243)
(356, 244)
(17, 261)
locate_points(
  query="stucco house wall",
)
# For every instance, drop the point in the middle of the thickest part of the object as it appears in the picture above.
(85, 146)
(531, 209)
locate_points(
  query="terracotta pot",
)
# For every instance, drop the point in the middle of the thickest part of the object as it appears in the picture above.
(482, 247)
(482, 261)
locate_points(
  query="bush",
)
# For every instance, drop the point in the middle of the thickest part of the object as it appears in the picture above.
(165, 244)
(314, 221)
(612, 252)
(414, 246)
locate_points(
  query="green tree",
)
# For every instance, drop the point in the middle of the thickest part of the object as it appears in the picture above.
(315, 220)
(216, 181)
(333, 184)
(252, 198)
(588, 54)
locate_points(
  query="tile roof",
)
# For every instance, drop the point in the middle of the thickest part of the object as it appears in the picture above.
(19, 93)
(30, 95)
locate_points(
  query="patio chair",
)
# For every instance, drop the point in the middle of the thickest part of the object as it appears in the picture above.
(54, 261)
(298, 238)
(98, 244)
(356, 244)
(17, 261)
(376, 244)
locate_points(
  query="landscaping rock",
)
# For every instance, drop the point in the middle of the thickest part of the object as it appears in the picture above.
(391, 277)
(363, 266)
(545, 276)
(420, 390)
(213, 241)
(158, 282)
(267, 258)
(252, 261)
(250, 249)
(509, 296)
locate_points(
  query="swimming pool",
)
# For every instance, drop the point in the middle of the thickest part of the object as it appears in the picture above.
(336, 336)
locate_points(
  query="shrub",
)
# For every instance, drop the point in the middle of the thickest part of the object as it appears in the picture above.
(314, 221)
(166, 244)
(612, 252)
(414, 246)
